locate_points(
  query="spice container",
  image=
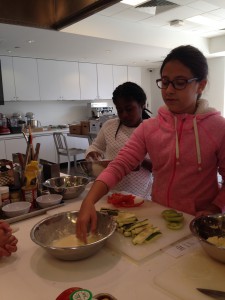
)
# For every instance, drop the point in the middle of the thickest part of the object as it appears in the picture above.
(14, 194)
(29, 194)
(4, 191)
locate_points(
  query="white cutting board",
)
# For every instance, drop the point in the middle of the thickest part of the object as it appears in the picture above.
(194, 270)
(152, 211)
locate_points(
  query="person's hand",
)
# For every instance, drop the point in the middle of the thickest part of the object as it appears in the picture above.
(94, 155)
(8, 242)
(87, 214)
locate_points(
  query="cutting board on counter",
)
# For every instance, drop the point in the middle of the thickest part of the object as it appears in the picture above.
(152, 211)
(196, 270)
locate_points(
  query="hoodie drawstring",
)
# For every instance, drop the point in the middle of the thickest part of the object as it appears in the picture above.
(198, 149)
(177, 143)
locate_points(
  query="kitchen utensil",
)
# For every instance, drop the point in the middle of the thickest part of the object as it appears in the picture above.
(16, 208)
(220, 295)
(189, 271)
(152, 211)
(62, 225)
(204, 227)
(48, 200)
(68, 186)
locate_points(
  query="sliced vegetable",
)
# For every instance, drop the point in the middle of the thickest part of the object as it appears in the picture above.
(175, 220)
(124, 200)
(175, 225)
(144, 235)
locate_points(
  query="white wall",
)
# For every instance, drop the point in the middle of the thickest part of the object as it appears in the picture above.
(215, 91)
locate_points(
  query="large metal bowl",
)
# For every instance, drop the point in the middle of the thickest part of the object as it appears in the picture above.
(207, 226)
(68, 186)
(93, 168)
(64, 224)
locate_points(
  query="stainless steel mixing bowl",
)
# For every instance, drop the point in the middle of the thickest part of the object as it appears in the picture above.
(93, 168)
(64, 224)
(207, 226)
(68, 186)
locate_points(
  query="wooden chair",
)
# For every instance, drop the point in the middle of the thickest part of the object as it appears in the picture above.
(62, 149)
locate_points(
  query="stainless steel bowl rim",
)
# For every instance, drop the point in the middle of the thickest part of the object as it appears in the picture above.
(193, 230)
(58, 248)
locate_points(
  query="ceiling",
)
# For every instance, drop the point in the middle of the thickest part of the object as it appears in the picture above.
(124, 35)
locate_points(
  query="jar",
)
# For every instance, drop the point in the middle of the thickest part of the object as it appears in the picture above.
(29, 194)
(14, 194)
(4, 191)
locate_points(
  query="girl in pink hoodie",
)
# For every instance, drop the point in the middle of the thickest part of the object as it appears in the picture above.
(185, 141)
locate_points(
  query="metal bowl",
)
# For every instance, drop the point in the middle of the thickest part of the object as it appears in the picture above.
(68, 186)
(64, 224)
(93, 168)
(208, 226)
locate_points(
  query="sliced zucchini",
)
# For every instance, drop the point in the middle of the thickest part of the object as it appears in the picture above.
(138, 224)
(143, 235)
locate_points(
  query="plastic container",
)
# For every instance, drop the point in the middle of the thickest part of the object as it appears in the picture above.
(4, 191)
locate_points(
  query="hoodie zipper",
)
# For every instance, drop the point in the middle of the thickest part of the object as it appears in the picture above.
(175, 163)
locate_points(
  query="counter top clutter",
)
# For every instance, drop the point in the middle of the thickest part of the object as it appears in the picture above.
(170, 266)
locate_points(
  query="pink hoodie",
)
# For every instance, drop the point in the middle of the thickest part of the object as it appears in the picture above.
(186, 152)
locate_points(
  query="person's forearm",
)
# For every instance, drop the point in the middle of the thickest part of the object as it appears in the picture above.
(97, 191)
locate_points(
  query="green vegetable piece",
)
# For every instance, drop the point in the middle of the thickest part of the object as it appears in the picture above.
(176, 219)
(175, 225)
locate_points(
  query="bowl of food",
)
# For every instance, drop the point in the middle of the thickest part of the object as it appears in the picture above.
(49, 200)
(93, 168)
(16, 208)
(68, 186)
(56, 235)
(210, 231)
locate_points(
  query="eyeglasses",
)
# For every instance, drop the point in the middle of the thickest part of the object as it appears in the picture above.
(177, 83)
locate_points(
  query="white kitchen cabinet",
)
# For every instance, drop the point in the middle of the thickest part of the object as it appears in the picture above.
(2, 150)
(47, 147)
(105, 81)
(88, 81)
(134, 75)
(69, 80)
(20, 79)
(59, 80)
(119, 75)
(26, 78)
(9, 90)
(15, 145)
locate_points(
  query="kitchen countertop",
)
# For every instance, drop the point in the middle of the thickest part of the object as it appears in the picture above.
(31, 273)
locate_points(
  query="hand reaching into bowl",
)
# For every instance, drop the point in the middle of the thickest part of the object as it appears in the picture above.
(93, 156)
(8, 242)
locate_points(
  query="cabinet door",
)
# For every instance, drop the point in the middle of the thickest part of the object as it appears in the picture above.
(15, 145)
(47, 147)
(119, 75)
(134, 75)
(2, 150)
(88, 81)
(26, 78)
(69, 80)
(49, 80)
(8, 78)
(105, 81)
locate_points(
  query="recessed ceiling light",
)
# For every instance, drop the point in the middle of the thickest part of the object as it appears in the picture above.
(202, 20)
(9, 51)
(31, 41)
(133, 2)
(107, 51)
